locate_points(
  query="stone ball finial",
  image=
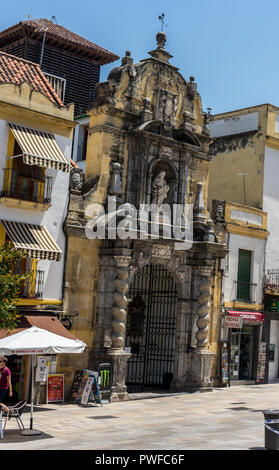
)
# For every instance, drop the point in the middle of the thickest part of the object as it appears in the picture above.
(161, 39)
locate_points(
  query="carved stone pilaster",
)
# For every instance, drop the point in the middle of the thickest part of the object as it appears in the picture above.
(119, 308)
(203, 314)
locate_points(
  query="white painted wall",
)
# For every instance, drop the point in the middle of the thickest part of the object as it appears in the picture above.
(271, 206)
(52, 219)
(234, 125)
(274, 339)
(236, 243)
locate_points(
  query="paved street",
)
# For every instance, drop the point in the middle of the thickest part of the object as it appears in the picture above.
(222, 419)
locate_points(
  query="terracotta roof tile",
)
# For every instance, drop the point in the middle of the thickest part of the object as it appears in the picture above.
(18, 71)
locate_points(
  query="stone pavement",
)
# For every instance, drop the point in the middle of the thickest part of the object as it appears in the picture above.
(227, 419)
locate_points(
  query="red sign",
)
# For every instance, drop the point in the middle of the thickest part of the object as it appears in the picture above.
(233, 322)
(55, 388)
(248, 316)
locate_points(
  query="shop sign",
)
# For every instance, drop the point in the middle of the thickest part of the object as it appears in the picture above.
(273, 306)
(247, 315)
(233, 322)
(55, 388)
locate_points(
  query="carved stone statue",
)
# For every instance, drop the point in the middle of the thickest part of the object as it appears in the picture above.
(160, 189)
(76, 179)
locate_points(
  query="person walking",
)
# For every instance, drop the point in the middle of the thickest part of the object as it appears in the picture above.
(5, 379)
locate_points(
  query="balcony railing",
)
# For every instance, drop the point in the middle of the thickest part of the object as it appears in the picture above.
(58, 84)
(272, 280)
(245, 292)
(32, 287)
(26, 188)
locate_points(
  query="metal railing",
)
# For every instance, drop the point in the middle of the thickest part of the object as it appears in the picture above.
(32, 287)
(272, 280)
(26, 188)
(245, 292)
(58, 84)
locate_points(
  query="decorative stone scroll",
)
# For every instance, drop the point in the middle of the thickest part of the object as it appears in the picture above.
(161, 251)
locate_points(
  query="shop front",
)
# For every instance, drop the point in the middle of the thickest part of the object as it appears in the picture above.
(243, 352)
(45, 366)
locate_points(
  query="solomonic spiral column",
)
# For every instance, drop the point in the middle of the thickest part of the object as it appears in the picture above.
(119, 308)
(203, 310)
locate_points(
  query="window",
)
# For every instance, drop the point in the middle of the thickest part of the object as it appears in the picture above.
(244, 276)
(82, 143)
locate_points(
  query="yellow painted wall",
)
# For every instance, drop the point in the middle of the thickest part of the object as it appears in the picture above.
(243, 153)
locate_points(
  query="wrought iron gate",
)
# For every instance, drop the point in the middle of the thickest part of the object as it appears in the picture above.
(150, 330)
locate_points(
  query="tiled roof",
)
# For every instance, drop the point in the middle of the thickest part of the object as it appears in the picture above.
(62, 34)
(17, 71)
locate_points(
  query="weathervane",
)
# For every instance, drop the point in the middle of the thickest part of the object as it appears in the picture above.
(161, 18)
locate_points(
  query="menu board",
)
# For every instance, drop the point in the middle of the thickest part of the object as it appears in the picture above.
(55, 388)
(261, 362)
(80, 387)
(76, 384)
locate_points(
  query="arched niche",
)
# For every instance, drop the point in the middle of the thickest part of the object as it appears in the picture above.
(170, 177)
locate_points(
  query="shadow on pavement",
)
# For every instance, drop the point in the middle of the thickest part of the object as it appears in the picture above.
(27, 409)
(13, 436)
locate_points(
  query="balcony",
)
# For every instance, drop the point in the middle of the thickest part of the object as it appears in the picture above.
(245, 292)
(32, 287)
(58, 84)
(25, 188)
(272, 281)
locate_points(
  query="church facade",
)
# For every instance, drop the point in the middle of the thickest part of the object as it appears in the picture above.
(144, 302)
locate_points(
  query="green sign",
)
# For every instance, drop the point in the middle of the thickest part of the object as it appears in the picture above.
(273, 306)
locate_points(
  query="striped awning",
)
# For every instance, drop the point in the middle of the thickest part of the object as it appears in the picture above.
(39, 148)
(35, 240)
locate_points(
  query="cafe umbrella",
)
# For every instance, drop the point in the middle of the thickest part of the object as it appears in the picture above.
(34, 341)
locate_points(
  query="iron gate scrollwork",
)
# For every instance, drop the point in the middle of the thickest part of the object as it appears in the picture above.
(151, 326)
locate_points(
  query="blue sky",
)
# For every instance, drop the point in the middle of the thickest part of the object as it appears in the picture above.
(229, 46)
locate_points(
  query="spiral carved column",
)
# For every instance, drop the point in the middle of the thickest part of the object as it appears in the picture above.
(119, 308)
(203, 310)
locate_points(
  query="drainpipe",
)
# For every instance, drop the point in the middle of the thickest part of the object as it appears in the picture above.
(43, 48)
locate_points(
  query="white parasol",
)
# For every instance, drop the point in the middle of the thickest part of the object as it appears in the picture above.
(34, 341)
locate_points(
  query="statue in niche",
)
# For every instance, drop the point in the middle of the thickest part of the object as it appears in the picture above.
(159, 189)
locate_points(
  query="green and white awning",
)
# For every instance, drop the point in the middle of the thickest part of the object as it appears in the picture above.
(35, 240)
(39, 148)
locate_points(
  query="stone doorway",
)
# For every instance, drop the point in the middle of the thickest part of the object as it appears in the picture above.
(150, 329)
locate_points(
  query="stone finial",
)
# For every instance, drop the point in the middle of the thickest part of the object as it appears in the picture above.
(161, 39)
(192, 87)
(127, 60)
(115, 188)
(146, 114)
(160, 53)
(199, 206)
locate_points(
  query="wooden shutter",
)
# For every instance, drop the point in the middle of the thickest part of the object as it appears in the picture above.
(244, 275)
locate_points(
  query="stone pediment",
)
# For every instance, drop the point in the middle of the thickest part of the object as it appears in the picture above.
(154, 90)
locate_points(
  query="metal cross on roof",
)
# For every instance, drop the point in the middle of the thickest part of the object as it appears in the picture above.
(161, 18)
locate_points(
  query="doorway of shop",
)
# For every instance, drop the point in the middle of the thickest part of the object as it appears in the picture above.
(150, 329)
(242, 353)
